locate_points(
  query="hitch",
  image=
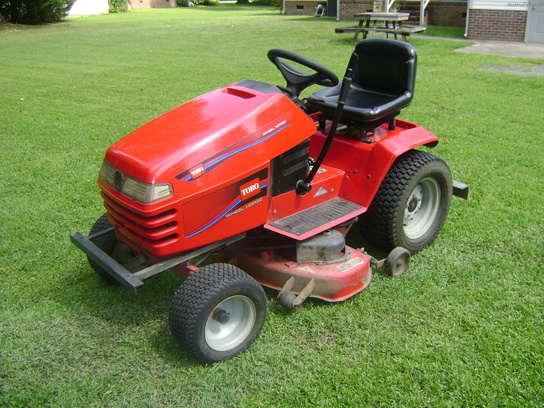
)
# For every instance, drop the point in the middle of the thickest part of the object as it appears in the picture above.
(460, 189)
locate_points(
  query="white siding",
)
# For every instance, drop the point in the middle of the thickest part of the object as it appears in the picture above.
(510, 5)
(88, 8)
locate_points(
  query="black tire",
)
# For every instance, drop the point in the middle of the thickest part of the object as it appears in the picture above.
(411, 205)
(397, 261)
(217, 312)
(106, 242)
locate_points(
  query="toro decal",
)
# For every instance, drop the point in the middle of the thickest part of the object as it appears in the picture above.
(250, 189)
(197, 171)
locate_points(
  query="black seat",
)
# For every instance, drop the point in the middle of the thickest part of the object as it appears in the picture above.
(384, 73)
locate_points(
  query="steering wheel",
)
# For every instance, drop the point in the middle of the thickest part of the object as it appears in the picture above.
(298, 80)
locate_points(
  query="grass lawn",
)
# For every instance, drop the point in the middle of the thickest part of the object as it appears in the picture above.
(450, 32)
(463, 327)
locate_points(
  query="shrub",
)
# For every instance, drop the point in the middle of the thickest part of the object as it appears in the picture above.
(34, 11)
(118, 6)
(274, 3)
(186, 3)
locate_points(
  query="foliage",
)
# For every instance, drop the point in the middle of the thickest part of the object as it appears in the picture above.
(461, 328)
(34, 11)
(274, 3)
(187, 3)
(118, 6)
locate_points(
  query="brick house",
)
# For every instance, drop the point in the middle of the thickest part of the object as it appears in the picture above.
(503, 20)
(437, 12)
(140, 4)
(506, 20)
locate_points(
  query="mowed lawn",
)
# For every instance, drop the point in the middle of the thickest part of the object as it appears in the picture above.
(463, 327)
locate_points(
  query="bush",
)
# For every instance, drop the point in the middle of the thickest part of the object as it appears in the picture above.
(118, 6)
(34, 11)
(187, 3)
(274, 3)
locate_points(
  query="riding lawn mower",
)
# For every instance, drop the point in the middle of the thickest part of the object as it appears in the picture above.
(268, 185)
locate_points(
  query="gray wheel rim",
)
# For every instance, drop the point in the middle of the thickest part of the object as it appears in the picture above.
(421, 208)
(230, 323)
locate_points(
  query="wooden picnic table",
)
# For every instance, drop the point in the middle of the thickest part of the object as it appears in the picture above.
(374, 22)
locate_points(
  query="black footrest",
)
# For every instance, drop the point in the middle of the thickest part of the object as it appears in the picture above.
(316, 217)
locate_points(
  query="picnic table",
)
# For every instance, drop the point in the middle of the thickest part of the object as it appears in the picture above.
(387, 23)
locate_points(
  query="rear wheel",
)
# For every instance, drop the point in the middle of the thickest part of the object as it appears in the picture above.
(217, 312)
(411, 204)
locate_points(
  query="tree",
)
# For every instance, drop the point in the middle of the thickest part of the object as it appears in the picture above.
(34, 11)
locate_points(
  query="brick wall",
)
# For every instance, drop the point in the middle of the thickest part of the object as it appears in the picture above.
(447, 13)
(444, 13)
(349, 8)
(301, 7)
(499, 25)
(138, 4)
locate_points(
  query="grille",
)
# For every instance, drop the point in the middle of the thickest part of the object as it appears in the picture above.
(159, 229)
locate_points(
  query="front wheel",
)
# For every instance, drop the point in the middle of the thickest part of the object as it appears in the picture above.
(217, 312)
(411, 204)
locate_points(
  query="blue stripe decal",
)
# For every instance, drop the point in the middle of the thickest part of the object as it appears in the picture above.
(215, 220)
(240, 149)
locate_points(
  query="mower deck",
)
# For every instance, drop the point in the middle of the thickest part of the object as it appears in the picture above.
(333, 281)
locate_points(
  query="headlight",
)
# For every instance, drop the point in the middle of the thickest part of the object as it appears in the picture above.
(135, 189)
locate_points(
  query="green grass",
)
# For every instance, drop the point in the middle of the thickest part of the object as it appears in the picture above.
(463, 327)
(441, 31)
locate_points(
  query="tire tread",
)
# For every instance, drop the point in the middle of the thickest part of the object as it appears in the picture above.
(195, 295)
(379, 223)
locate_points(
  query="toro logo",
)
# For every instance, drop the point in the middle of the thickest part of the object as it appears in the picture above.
(197, 171)
(250, 189)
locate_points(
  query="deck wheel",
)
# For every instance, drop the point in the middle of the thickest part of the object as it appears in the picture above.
(397, 261)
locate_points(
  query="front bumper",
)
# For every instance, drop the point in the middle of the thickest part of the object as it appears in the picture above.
(133, 280)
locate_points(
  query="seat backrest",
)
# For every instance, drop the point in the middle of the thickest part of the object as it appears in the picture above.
(384, 66)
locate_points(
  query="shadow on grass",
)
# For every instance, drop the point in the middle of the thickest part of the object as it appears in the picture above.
(221, 8)
(108, 311)
(114, 303)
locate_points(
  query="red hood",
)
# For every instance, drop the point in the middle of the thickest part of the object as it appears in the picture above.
(209, 130)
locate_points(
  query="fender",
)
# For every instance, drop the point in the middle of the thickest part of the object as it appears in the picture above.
(367, 163)
(386, 150)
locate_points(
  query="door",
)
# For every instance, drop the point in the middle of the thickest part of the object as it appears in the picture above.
(332, 8)
(535, 22)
